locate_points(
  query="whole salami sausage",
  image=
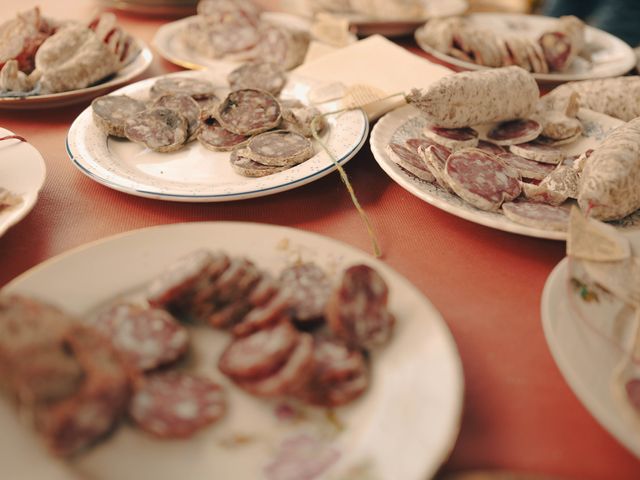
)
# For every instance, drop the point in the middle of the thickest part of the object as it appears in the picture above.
(471, 98)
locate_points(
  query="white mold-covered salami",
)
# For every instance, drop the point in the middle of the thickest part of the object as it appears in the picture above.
(194, 87)
(175, 404)
(472, 98)
(563, 180)
(541, 194)
(249, 111)
(410, 160)
(538, 215)
(248, 168)
(186, 106)
(527, 168)
(482, 179)
(514, 132)
(266, 76)
(611, 176)
(159, 129)
(557, 126)
(214, 137)
(110, 113)
(452, 138)
(538, 152)
(279, 148)
(308, 288)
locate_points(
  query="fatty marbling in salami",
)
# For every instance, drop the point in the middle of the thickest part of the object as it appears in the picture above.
(110, 112)
(214, 137)
(538, 215)
(249, 111)
(159, 129)
(514, 131)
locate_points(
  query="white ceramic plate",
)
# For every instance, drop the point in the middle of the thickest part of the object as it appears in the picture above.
(406, 122)
(135, 68)
(22, 172)
(576, 332)
(169, 44)
(404, 426)
(193, 173)
(610, 56)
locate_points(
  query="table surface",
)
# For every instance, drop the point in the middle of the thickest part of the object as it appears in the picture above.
(519, 413)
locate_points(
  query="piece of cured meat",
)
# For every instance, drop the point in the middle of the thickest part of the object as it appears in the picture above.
(481, 179)
(183, 104)
(214, 137)
(563, 180)
(527, 168)
(308, 288)
(266, 76)
(110, 112)
(260, 354)
(279, 148)
(435, 159)
(415, 143)
(21, 37)
(175, 404)
(249, 111)
(551, 142)
(452, 138)
(514, 132)
(301, 119)
(248, 168)
(490, 147)
(159, 129)
(219, 10)
(538, 215)
(410, 160)
(146, 338)
(563, 43)
(538, 152)
(194, 87)
(541, 194)
(274, 310)
(357, 311)
(558, 126)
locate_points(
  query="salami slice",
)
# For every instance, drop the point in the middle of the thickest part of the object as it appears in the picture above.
(538, 152)
(214, 137)
(249, 111)
(357, 311)
(110, 113)
(538, 215)
(515, 131)
(452, 138)
(563, 180)
(415, 143)
(527, 168)
(266, 76)
(556, 142)
(410, 160)
(281, 46)
(279, 149)
(158, 129)
(541, 194)
(299, 119)
(260, 354)
(186, 106)
(194, 87)
(146, 337)
(490, 147)
(289, 377)
(248, 168)
(435, 159)
(308, 288)
(557, 49)
(272, 312)
(481, 179)
(558, 126)
(264, 290)
(176, 404)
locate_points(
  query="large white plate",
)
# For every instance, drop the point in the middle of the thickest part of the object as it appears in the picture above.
(404, 426)
(195, 174)
(135, 68)
(168, 42)
(407, 122)
(586, 354)
(22, 171)
(610, 56)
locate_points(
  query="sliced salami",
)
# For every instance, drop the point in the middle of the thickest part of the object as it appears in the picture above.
(435, 159)
(481, 179)
(273, 311)
(538, 152)
(301, 119)
(556, 142)
(357, 311)
(452, 138)
(280, 45)
(415, 143)
(159, 129)
(111, 112)
(264, 290)
(563, 180)
(557, 49)
(260, 354)
(175, 404)
(249, 111)
(145, 337)
(186, 106)
(266, 76)
(410, 160)
(279, 149)
(308, 288)
(290, 376)
(558, 126)
(515, 131)
(541, 194)
(194, 87)
(248, 168)
(214, 137)
(527, 168)
(538, 215)
(490, 147)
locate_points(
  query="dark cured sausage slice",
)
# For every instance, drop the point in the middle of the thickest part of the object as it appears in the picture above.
(527, 168)
(274, 311)
(214, 137)
(308, 288)
(249, 111)
(111, 112)
(260, 354)
(186, 106)
(453, 138)
(159, 129)
(279, 149)
(538, 152)
(194, 87)
(176, 404)
(357, 312)
(490, 147)
(481, 179)
(514, 131)
(538, 215)
(410, 160)
(266, 76)
(557, 50)
(248, 168)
